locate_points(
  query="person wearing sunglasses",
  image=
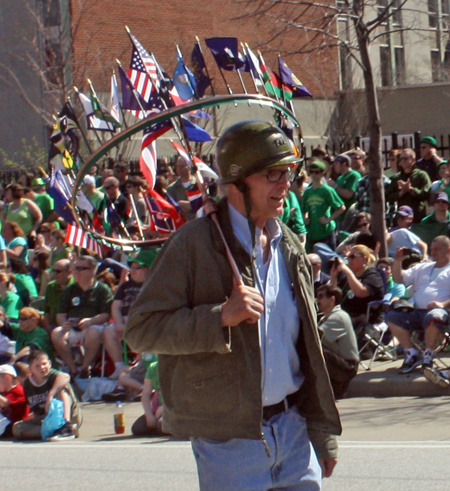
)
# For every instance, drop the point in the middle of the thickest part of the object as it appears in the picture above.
(62, 273)
(429, 159)
(339, 344)
(360, 283)
(84, 309)
(321, 206)
(241, 362)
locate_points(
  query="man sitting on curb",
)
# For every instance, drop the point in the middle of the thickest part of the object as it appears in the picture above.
(340, 348)
(431, 282)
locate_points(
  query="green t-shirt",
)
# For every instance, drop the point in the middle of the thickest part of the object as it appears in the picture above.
(61, 254)
(52, 298)
(78, 303)
(320, 202)
(22, 216)
(293, 220)
(349, 181)
(46, 204)
(20, 241)
(12, 303)
(153, 375)
(25, 282)
(39, 337)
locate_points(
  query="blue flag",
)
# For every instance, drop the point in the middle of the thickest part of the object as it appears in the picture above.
(61, 191)
(184, 80)
(289, 79)
(198, 67)
(195, 133)
(226, 53)
(129, 100)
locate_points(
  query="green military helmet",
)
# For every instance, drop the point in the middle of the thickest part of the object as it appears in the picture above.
(250, 146)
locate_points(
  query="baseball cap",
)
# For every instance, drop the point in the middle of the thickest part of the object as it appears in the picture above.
(38, 181)
(89, 180)
(441, 197)
(343, 158)
(318, 164)
(8, 370)
(405, 211)
(144, 258)
(429, 140)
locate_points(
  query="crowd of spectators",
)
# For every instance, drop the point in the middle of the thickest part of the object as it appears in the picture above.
(63, 310)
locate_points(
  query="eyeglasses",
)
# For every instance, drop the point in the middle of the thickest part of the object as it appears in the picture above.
(273, 175)
(81, 268)
(315, 171)
(58, 270)
(25, 318)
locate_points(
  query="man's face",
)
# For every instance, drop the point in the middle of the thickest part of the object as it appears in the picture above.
(439, 251)
(426, 150)
(315, 173)
(338, 166)
(83, 271)
(404, 222)
(182, 169)
(357, 162)
(138, 272)
(441, 206)
(324, 302)
(120, 173)
(267, 198)
(61, 273)
(406, 161)
(111, 190)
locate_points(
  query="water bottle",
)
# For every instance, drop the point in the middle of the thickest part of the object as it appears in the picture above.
(119, 419)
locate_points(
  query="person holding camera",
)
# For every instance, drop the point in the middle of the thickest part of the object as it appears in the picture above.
(360, 284)
(84, 309)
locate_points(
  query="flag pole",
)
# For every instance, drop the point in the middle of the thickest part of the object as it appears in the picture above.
(120, 105)
(204, 62)
(259, 77)
(87, 117)
(244, 49)
(138, 221)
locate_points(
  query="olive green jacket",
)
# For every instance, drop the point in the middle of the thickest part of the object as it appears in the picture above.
(211, 377)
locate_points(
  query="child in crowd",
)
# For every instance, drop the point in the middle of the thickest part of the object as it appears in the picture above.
(150, 423)
(44, 384)
(13, 403)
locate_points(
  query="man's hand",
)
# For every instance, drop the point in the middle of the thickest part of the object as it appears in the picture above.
(244, 304)
(435, 305)
(328, 466)
(400, 254)
(324, 220)
(84, 324)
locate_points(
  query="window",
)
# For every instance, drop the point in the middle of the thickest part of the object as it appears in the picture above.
(438, 19)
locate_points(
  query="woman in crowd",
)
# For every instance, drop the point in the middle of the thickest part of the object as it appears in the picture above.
(360, 283)
(9, 300)
(25, 285)
(40, 271)
(22, 211)
(16, 243)
(60, 249)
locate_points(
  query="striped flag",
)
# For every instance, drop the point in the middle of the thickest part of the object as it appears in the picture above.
(79, 237)
(194, 196)
(143, 70)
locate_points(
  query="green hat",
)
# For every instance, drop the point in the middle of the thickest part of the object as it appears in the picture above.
(38, 181)
(250, 146)
(429, 140)
(442, 162)
(318, 164)
(143, 257)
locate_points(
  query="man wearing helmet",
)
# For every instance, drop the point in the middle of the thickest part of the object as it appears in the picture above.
(241, 369)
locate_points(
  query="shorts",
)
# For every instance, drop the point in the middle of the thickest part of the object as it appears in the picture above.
(418, 319)
(26, 425)
(76, 338)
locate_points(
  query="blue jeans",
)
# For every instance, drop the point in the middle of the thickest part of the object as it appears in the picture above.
(243, 464)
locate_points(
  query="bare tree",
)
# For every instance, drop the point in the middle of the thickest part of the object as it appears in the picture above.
(348, 28)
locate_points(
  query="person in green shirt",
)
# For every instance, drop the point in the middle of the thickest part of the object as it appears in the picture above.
(10, 301)
(45, 202)
(292, 214)
(63, 277)
(25, 285)
(347, 182)
(321, 206)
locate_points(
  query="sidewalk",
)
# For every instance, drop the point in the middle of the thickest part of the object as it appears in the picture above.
(383, 380)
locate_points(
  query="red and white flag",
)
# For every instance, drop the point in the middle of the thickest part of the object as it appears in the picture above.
(79, 237)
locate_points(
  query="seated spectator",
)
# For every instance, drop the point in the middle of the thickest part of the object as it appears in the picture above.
(150, 423)
(401, 236)
(16, 243)
(440, 213)
(361, 224)
(361, 284)
(60, 248)
(40, 271)
(13, 404)
(340, 347)
(429, 160)
(9, 300)
(44, 231)
(31, 335)
(441, 185)
(84, 309)
(431, 283)
(44, 384)
(321, 206)
(123, 299)
(45, 202)
(63, 277)
(25, 285)
(411, 186)
(293, 217)
(319, 277)
(396, 290)
(94, 195)
(393, 161)
(109, 279)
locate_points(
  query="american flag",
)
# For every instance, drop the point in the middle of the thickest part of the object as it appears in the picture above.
(143, 70)
(147, 159)
(77, 236)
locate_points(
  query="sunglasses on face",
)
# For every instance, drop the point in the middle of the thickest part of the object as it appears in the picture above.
(353, 255)
(81, 268)
(315, 171)
(273, 175)
(57, 270)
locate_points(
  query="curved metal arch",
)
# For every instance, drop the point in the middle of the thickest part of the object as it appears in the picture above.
(155, 119)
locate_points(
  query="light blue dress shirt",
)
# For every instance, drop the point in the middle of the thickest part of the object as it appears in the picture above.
(279, 324)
